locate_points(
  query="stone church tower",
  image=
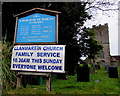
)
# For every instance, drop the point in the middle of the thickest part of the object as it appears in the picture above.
(102, 36)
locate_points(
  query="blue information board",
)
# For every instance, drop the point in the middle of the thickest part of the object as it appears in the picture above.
(36, 28)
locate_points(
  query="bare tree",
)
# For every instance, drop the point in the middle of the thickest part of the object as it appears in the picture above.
(106, 7)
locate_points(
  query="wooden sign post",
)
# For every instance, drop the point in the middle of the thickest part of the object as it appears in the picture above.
(47, 75)
(18, 81)
(30, 56)
(48, 83)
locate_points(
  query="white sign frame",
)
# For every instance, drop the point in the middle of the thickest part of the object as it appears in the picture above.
(38, 58)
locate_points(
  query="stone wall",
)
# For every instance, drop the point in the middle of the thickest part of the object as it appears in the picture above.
(102, 35)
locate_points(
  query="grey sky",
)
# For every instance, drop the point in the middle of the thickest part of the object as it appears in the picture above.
(110, 17)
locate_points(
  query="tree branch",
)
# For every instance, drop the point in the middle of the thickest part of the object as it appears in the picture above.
(101, 8)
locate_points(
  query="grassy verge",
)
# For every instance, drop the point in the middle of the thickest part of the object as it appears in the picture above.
(99, 83)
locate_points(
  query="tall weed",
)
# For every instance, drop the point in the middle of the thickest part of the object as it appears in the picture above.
(8, 76)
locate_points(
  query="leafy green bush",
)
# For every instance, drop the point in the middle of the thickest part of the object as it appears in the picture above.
(8, 76)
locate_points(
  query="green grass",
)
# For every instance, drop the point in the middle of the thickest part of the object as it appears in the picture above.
(105, 85)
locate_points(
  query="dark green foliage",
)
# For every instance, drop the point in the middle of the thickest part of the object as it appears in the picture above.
(89, 47)
(8, 76)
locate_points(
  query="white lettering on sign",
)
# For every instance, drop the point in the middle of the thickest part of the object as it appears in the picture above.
(41, 58)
